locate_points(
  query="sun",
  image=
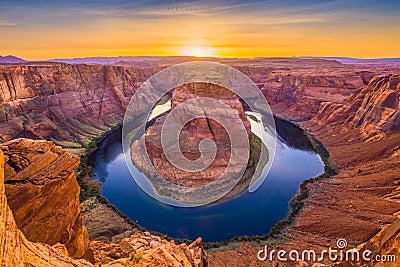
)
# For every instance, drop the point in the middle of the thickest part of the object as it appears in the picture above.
(197, 51)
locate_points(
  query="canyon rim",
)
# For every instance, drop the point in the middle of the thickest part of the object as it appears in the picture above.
(200, 133)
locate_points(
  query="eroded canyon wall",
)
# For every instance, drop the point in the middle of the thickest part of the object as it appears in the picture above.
(73, 104)
(68, 104)
(374, 108)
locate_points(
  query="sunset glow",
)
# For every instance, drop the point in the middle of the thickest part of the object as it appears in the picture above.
(197, 51)
(66, 29)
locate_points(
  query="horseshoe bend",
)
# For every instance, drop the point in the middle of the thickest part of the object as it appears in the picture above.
(55, 117)
(206, 125)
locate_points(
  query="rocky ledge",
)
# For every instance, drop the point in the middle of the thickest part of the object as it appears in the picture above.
(38, 182)
(37, 173)
(16, 250)
(150, 250)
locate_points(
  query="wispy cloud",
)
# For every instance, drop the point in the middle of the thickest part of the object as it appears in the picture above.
(6, 23)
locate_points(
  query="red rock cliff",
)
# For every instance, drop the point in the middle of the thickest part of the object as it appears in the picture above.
(16, 250)
(373, 108)
(44, 195)
(68, 104)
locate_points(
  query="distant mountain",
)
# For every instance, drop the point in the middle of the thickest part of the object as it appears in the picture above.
(361, 60)
(11, 59)
(132, 60)
(103, 60)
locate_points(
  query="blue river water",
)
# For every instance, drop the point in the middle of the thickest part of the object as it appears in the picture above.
(247, 214)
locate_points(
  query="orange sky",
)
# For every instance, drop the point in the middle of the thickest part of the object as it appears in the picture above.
(201, 28)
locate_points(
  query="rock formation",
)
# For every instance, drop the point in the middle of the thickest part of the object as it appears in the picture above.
(373, 108)
(304, 92)
(296, 88)
(37, 173)
(50, 172)
(72, 104)
(68, 104)
(16, 250)
(191, 134)
(150, 250)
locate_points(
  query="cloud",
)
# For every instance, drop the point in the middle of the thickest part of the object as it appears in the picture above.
(6, 23)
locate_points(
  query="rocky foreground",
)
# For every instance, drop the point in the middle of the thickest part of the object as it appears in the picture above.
(16, 250)
(37, 174)
(352, 109)
(49, 217)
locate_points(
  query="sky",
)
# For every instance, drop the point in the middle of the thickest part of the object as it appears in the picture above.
(238, 28)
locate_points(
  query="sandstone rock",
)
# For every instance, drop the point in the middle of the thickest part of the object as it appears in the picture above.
(16, 250)
(44, 195)
(379, 109)
(304, 91)
(190, 136)
(385, 243)
(149, 252)
(373, 108)
(295, 88)
(68, 104)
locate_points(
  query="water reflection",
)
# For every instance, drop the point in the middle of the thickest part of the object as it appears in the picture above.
(292, 135)
(248, 214)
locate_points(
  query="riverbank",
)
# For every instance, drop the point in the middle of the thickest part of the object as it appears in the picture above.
(223, 243)
(277, 234)
(102, 219)
(355, 204)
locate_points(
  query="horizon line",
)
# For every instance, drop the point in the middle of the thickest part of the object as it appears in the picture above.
(192, 56)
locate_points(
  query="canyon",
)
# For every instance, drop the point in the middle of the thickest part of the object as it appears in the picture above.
(67, 104)
(352, 109)
(192, 133)
(364, 197)
(72, 104)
